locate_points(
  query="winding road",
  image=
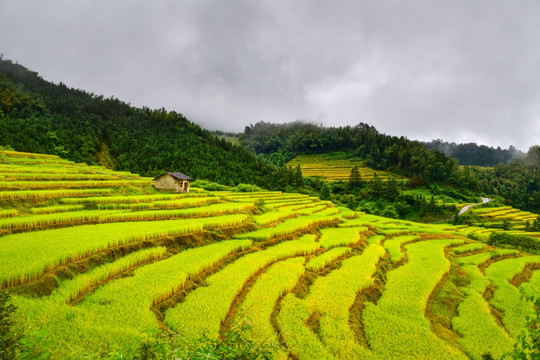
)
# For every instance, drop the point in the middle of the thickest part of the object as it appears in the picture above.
(467, 207)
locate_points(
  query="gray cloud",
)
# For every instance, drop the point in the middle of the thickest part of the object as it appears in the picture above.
(459, 70)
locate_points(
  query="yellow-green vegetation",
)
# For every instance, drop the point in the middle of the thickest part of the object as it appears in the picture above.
(97, 272)
(403, 305)
(204, 309)
(328, 168)
(330, 299)
(506, 297)
(332, 237)
(259, 303)
(328, 257)
(505, 217)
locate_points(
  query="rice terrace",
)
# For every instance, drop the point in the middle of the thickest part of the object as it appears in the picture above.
(100, 263)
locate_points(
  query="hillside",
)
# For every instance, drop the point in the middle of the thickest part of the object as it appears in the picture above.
(332, 168)
(474, 154)
(101, 264)
(39, 116)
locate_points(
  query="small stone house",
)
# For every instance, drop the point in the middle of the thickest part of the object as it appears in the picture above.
(173, 181)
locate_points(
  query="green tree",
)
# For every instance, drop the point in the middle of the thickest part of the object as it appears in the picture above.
(326, 191)
(355, 181)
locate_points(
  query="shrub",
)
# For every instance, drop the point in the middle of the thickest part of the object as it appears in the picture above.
(9, 337)
(520, 242)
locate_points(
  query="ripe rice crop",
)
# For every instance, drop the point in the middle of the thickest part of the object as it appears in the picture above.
(507, 297)
(271, 217)
(201, 211)
(50, 194)
(8, 213)
(42, 250)
(288, 227)
(260, 300)
(184, 202)
(331, 297)
(203, 309)
(20, 154)
(55, 176)
(334, 169)
(39, 221)
(332, 237)
(477, 259)
(393, 246)
(403, 304)
(296, 202)
(480, 334)
(328, 257)
(317, 210)
(469, 248)
(75, 184)
(119, 313)
(70, 289)
(127, 199)
(55, 209)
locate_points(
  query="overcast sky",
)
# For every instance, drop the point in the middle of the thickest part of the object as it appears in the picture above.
(460, 70)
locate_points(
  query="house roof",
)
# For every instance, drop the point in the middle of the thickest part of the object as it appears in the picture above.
(176, 175)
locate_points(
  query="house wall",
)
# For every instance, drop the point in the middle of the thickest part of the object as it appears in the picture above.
(167, 182)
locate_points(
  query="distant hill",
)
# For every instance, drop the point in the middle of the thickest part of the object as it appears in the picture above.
(39, 116)
(474, 154)
(399, 155)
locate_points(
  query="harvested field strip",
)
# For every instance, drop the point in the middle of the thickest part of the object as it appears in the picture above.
(332, 237)
(328, 257)
(480, 333)
(58, 246)
(71, 289)
(403, 304)
(129, 199)
(289, 227)
(76, 184)
(260, 300)
(204, 309)
(51, 194)
(506, 297)
(394, 246)
(330, 297)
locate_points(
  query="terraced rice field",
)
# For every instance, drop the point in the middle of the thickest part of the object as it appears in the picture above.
(330, 169)
(504, 216)
(96, 275)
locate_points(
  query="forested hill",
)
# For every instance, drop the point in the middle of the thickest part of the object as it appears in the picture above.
(477, 155)
(396, 154)
(39, 116)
